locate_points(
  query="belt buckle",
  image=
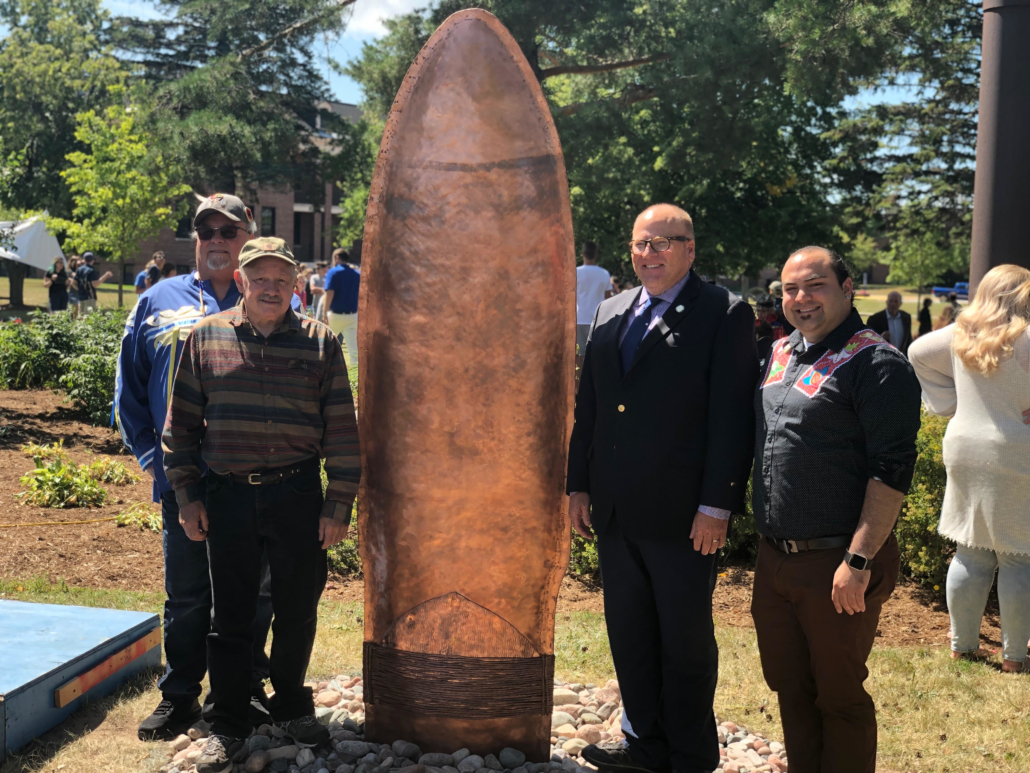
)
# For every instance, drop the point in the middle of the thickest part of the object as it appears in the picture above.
(791, 545)
(251, 481)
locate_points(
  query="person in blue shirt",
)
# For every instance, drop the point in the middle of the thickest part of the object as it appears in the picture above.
(341, 304)
(155, 332)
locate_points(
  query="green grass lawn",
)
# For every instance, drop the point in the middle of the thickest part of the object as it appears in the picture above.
(37, 295)
(936, 715)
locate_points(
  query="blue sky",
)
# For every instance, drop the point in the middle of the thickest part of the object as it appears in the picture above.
(365, 25)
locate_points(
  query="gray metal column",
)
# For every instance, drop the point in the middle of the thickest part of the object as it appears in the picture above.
(1001, 211)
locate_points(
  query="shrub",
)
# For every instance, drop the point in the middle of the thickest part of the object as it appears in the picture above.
(345, 558)
(583, 561)
(52, 451)
(53, 351)
(58, 484)
(925, 554)
(110, 471)
(142, 516)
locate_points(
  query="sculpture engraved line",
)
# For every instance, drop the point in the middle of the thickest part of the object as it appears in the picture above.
(467, 345)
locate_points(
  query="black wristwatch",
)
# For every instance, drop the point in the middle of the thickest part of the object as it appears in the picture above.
(855, 561)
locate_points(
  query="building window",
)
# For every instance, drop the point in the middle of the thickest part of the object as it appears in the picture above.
(268, 221)
(184, 228)
(296, 229)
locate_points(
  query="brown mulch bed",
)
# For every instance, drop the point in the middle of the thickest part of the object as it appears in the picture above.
(98, 555)
(102, 555)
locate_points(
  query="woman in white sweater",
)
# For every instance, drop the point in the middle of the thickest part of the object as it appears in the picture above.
(978, 371)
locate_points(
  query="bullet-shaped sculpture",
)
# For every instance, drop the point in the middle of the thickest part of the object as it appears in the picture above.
(467, 345)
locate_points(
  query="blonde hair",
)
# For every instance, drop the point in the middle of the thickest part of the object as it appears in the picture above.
(998, 315)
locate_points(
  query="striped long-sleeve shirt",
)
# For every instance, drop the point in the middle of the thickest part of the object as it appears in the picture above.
(243, 403)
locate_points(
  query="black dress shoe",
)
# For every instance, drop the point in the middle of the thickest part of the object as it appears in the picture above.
(170, 719)
(613, 756)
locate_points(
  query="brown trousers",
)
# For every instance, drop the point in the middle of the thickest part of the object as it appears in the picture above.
(815, 658)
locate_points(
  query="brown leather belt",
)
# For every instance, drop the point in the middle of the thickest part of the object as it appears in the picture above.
(275, 476)
(804, 545)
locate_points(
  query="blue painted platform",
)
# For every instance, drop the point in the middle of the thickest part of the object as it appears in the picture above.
(44, 646)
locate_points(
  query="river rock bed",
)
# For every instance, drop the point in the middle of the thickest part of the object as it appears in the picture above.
(583, 714)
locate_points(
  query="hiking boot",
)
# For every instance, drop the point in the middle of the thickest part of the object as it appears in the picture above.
(218, 754)
(258, 712)
(170, 719)
(613, 756)
(306, 731)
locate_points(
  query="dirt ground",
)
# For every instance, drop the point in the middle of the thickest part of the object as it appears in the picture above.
(102, 555)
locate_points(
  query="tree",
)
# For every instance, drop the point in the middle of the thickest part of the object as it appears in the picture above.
(53, 65)
(663, 101)
(234, 88)
(923, 251)
(904, 167)
(121, 188)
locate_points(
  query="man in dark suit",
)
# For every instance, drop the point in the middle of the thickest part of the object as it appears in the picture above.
(893, 324)
(659, 458)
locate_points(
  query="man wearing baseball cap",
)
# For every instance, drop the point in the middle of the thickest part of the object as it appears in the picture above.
(87, 280)
(260, 397)
(154, 336)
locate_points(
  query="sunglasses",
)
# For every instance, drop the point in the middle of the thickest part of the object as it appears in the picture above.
(228, 232)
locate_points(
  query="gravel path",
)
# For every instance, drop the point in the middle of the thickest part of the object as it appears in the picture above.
(583, 714)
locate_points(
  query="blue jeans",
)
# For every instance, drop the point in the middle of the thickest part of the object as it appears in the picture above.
(188, 610)
(970, 577)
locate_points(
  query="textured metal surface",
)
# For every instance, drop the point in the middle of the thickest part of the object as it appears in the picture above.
(1002, 195)
(467, 339)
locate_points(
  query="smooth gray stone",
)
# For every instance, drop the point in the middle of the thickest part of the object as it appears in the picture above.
(407, 750)
(460, 755)
(357, 749)
(258, 743)
(436, 759)
(491, 762)
(470, 764)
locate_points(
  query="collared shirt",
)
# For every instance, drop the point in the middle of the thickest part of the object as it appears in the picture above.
(831, 416)
(242, 403)
(896, 329)
(155, 331)
(662, 303)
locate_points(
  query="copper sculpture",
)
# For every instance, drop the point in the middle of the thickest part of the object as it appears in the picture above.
(467, 314)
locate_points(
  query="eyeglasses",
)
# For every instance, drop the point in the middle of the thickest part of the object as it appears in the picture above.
(207, 233)
(658, 243)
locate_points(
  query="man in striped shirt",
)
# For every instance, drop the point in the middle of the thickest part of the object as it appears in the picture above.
(260, 396)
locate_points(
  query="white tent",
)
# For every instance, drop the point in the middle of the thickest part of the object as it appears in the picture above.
(36, 247)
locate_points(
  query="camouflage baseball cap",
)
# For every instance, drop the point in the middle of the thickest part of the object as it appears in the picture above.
(230, 206)
(266, 247)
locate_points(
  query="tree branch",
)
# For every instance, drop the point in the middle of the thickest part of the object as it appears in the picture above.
(594, 69)
(287, 32)
(631, 95)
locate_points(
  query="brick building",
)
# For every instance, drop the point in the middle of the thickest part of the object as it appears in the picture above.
(303, 218)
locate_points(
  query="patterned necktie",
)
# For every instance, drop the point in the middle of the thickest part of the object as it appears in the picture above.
(635, 334)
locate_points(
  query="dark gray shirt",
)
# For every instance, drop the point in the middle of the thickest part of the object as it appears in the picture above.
(829, 418)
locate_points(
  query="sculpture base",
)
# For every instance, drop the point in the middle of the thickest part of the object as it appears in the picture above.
(445, 702)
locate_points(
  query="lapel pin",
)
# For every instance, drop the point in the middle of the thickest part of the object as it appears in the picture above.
(680, 307)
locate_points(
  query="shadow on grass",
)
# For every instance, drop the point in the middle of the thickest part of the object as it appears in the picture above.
(39, 753)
